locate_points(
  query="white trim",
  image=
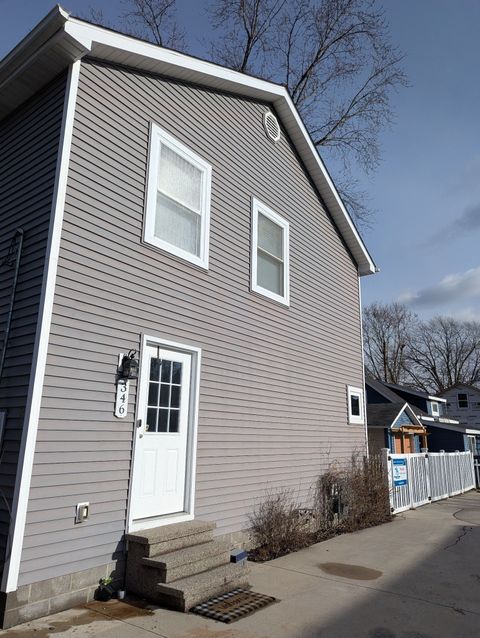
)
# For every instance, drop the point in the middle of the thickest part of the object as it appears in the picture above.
(118, 48)
(196, 353)
(438, 399)
(352, 418)
(39, 359)
(406, 408)
(258, 207)
(158, 136)
(435, 412)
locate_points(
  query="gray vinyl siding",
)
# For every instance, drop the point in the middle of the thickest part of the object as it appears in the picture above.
(29, 142)
(273, 407)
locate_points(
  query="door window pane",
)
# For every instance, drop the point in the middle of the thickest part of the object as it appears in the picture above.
(165, 395)
(151, 419)
(174, 414)
(163, 420)
(153, 394)
(175, 398)
(155, 369)
(176, 372)
(166, 371)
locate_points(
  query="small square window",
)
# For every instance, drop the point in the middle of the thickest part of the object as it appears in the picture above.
(355, 405)
(270, 253)
(462, 400)
(178, 199)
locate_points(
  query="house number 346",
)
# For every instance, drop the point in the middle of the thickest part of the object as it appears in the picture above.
(121, 402)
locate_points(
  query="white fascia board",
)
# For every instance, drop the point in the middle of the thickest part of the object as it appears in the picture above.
(183, 67)
(437, 399)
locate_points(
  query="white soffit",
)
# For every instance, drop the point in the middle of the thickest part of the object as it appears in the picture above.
(122, 49)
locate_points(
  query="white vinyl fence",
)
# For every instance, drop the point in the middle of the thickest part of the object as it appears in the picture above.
(418, 479)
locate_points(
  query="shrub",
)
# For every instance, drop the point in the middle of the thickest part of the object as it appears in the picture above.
(345, 499)
(354, 497)
(277, 526)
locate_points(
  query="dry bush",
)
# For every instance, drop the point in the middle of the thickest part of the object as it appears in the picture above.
(345, 499)
(277, 526)
(354, 497)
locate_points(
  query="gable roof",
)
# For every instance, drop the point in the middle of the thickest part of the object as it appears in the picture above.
(60, 39)
(386, 414)
(417, 393)
(382, 389)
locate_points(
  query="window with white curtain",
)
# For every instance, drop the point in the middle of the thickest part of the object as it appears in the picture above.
(178, 199)
(270, 253)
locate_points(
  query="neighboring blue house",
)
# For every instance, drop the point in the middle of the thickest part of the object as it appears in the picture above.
(392, 422)
(406, 420)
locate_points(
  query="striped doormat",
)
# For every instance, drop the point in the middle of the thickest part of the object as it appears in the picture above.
(232, 606)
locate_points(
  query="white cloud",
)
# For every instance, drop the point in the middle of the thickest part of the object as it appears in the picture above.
(451, 290)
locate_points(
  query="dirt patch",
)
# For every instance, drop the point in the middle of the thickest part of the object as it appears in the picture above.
(354, 572)
(93, 612)
(122, 610)
(45, 630)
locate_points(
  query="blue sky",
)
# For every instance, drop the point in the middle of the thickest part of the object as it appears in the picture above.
(426, 192)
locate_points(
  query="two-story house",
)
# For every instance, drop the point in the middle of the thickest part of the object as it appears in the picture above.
(163, 213)
(463, 404)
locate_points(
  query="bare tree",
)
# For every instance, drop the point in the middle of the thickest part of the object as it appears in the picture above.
(336, 60)
(387, 332)
(444, 352)
(152, 20)
(334, 56)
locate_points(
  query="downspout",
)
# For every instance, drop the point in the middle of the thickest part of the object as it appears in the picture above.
(367, 451)
(8, 260)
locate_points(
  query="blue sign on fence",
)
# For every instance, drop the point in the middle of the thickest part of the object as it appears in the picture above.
(399, 472)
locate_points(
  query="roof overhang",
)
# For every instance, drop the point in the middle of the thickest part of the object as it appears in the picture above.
(59, 40)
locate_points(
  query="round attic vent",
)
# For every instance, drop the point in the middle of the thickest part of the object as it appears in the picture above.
(271, 126)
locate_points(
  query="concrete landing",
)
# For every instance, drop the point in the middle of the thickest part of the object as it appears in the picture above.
(417, 577)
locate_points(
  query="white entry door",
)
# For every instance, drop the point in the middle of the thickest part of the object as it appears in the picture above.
(161, 449)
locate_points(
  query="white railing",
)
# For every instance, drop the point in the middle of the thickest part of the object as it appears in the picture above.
(418, 479)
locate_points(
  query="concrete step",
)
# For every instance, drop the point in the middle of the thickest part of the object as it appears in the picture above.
(185, 593)
(189, 560)
(168, 538)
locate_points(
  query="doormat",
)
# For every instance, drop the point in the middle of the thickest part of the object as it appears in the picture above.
(233, 606)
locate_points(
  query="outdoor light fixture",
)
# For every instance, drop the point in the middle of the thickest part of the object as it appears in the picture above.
(129, 368)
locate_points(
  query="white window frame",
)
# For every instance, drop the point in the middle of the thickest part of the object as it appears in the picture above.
(435, 408)
(158, 137)
(258, 207)
(353, 418)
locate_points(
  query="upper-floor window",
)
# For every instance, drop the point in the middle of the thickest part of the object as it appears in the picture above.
(434, 408)
(178, 199)
(462, 400)
(355, 405)
(270, 253)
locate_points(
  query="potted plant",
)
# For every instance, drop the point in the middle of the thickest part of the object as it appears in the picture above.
(105, 589)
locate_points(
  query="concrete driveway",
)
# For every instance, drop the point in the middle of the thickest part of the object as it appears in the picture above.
(417, 577)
